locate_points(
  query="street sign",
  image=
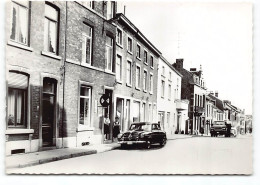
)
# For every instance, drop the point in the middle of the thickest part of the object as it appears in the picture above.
(104, 100)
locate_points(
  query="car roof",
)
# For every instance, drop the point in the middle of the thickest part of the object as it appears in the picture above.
(142, 123)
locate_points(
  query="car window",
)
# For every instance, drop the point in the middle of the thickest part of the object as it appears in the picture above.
(141, 127)
(155, 127)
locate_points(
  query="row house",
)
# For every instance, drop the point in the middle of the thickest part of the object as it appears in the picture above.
(193, 89)
(214, 110)
(172, 111)
(136, 74)
(231, 114)
(248, 123)
(35, 41)
(60, 59)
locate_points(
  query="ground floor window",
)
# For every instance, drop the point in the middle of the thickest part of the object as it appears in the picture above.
(17, 99)
(85, 105)
(136, 111)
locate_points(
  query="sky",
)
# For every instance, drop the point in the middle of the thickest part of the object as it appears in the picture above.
(217, 36)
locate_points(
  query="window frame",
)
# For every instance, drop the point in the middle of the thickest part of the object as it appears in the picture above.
(138, 46)
(28, 10)
(112, 3)
(169, 91)
(162, 88)
(84, 58)
(145, 79)
(145, 59)
(49, 19)
(112, 54)
(129, 84)
(132, 45)
(138, 86)
(151, 59)
(82, 84)
(151, 81)
(121, 68)
(121, 39)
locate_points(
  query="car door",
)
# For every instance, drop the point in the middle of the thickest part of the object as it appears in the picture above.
(155, 133)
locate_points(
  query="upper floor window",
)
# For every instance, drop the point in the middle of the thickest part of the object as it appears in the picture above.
(87, 45)
(145, 57)
(119, 68)
(170, 92)
(162, 88)
(151, 83)
(138, 76)
(20, 23)
(109, 53)
(51, 29)
(17, 99)
(145, 81)
(170, 75)
(151, 62)
(110, 9)
(138, 51)
(163, 70)
(130, 45)
(119, 37)
(129, 73)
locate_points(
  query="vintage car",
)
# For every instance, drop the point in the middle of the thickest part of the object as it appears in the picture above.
(144, 133)
(220, 128)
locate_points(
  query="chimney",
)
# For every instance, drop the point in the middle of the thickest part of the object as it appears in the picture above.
(193, 69)
(211, 93)
(179, 63)
(216, 94)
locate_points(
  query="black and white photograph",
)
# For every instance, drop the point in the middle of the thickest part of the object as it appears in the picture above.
(128, 88)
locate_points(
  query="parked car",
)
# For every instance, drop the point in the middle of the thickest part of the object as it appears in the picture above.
(219, 128)
(144, 133)
(233, 132)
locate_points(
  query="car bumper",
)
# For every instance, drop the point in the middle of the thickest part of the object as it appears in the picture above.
(131, 142)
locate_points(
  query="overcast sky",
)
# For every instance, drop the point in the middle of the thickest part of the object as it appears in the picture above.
(217, 36)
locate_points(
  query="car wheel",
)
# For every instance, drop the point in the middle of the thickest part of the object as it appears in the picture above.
(148, 144)
(163, 142)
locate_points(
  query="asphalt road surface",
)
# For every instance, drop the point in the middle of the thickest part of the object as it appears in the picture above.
(197, 155)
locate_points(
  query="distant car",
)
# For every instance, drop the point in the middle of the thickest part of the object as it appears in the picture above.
(219, 128)
(144, 133)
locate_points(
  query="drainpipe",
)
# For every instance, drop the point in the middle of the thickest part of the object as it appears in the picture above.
(64, 70)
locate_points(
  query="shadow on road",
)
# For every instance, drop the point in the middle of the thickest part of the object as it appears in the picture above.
(140, 147)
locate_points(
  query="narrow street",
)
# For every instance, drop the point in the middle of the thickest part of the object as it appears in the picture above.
(197, 155)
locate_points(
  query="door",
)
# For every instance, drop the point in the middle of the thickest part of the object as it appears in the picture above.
(48, 111)
(108, 112)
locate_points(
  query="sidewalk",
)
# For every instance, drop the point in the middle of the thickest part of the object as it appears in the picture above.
(35, 158)
(178, 136)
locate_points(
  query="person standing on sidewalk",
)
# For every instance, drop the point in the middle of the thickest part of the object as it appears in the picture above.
(106, 126)
(116, 127)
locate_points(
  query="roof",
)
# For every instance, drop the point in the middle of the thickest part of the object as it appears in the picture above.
(129, 24)
(173, 68)
(219, 103)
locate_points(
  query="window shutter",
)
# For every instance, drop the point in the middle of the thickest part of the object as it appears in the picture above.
(16, 80)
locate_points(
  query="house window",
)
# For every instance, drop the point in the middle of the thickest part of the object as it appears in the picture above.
(163, 71)
(168, 119)
(151, 83)
(150, 112)
(85, 105)
(151, 61)
(17, 100)
(119, 68)
(169, 91)
(145, 56)
(119, 37)
(138, 51)
(145, 81)
(162, 88)
(170, 75)
(50, 29)
(129, 45)
(109, 53)
(87, 45)
(110, 9)
(129, 73)
(20, 23)
(138, 76)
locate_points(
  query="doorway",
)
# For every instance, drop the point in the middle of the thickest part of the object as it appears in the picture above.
(108, 112)
(48, 111)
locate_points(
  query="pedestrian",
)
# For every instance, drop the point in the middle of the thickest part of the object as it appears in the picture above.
(116, 127)
(106, 126)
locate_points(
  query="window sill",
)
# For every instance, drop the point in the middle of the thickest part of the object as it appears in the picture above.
(163, 76)
(18, 45)
(151, 67)
(128, 85)
(138, 58)
(146, 63)
(119, 45)
(83, 128)
(109, 72)
(151, 93)
(119, 82)
(145, 91)
(131, 53)
(51, 55)
(18, 131)
(137, 88)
